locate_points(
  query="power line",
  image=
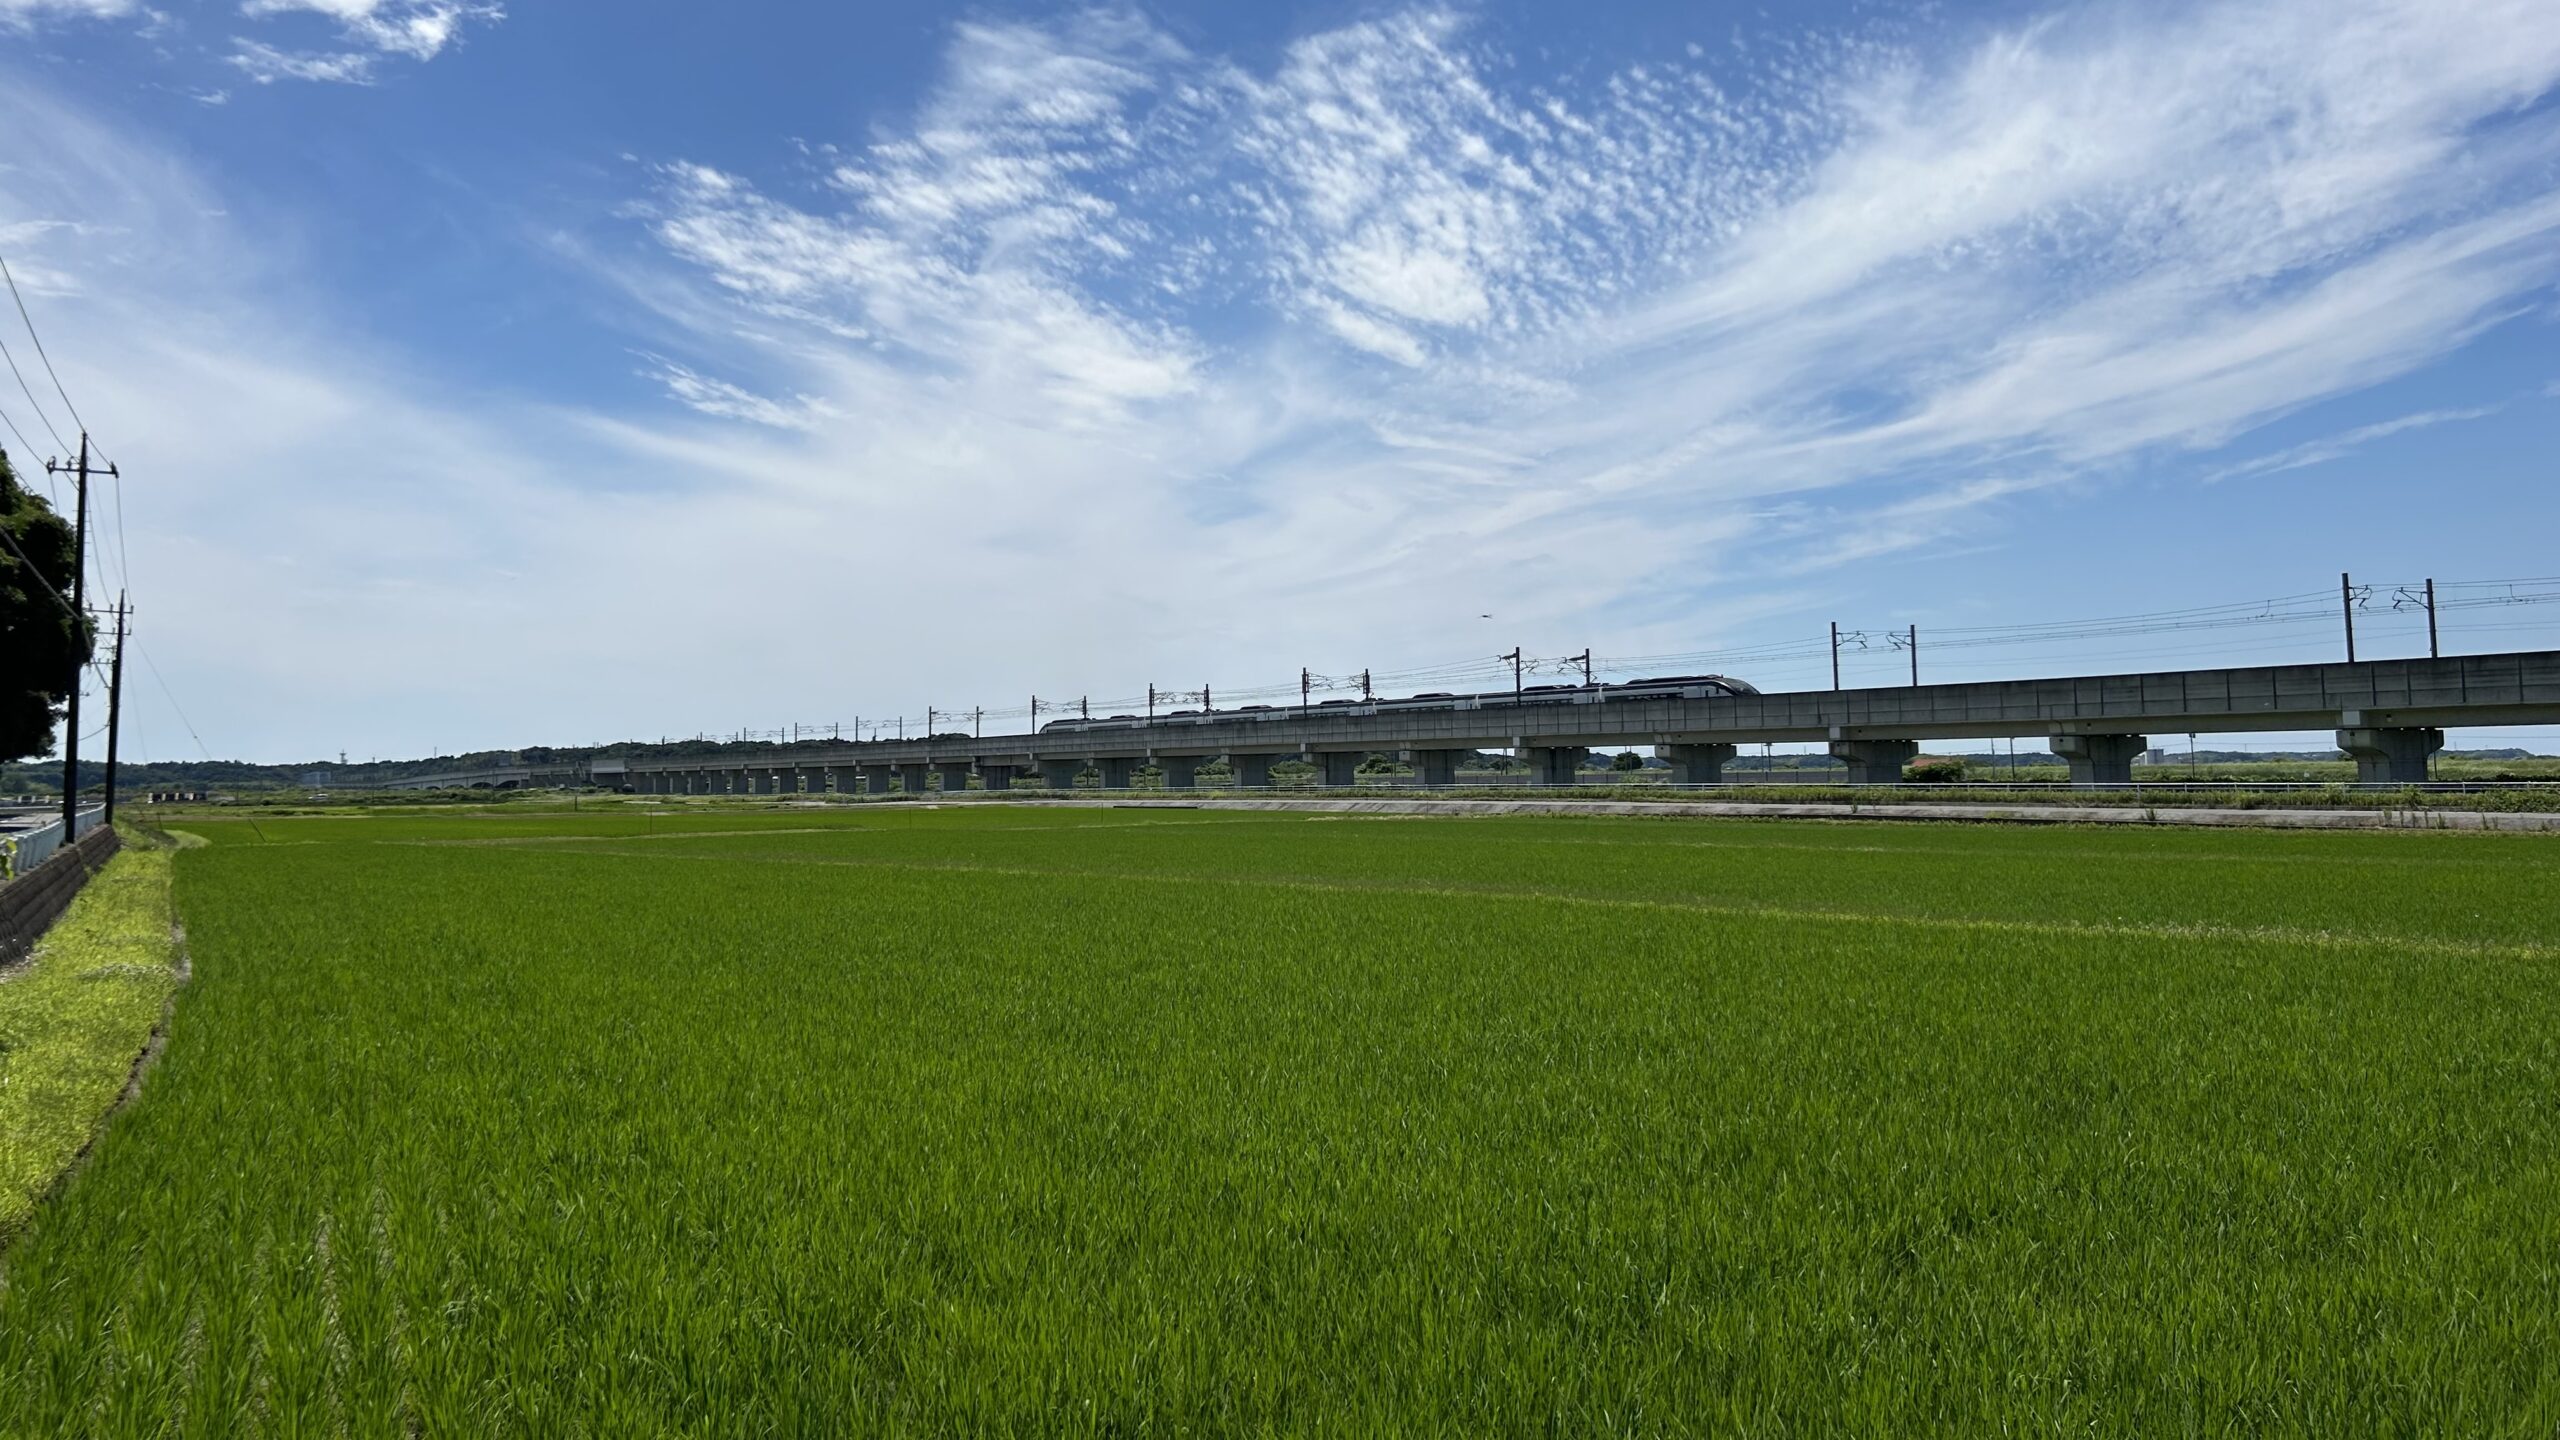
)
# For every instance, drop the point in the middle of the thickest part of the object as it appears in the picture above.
(25, 444)
(38, 571)
(47, 359)
(41, 417)
(123, 571)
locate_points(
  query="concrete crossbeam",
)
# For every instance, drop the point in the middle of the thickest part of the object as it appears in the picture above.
(1875, 762)
(1435, 767)
(2100, 759)
(1698, 764)
(2391, 755)
(1556, 765)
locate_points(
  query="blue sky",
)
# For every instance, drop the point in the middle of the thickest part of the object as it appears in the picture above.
(492, 375)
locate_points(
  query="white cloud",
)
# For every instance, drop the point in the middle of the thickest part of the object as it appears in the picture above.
(2346, 442)
(265, 65)
(1117, 359)
(417, 29)
(2058, 251)
(735, 402)
(24, 13)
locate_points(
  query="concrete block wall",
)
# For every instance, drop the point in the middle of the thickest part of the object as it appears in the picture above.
(31, 903)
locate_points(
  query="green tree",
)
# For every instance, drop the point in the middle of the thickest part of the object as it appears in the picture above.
(42, 644)
(1627, 760)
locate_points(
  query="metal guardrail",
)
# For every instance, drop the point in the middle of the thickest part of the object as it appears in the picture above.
(21, 851)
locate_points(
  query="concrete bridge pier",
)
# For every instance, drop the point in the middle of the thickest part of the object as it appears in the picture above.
(1253, 772)
(2391, 755)
(2100, 759)
(1116, 770)
(847, 778)
(955, 775)
(1875, 762)
(1341, 767)
(1181, 772)
(1696, 764)
(995, 777)
(813, 780)
(1060, 774)
(1435, 767)
(875, 779)
(911, 778)
(1556, 764)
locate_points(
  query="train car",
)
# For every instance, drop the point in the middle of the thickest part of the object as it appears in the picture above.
(1653, 687)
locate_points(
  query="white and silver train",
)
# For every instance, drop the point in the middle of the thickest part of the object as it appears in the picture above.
(1659, 687)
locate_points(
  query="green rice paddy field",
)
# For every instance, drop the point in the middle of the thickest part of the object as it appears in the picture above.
(891, 1119)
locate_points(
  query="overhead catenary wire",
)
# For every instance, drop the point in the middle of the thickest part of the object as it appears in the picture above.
(2278, 621)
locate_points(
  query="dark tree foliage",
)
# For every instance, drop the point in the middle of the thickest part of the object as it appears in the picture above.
(42, 646)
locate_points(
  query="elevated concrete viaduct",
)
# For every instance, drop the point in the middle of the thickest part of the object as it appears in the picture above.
(2389, 714)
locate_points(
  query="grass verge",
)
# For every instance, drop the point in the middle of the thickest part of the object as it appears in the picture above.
(73, 1018)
